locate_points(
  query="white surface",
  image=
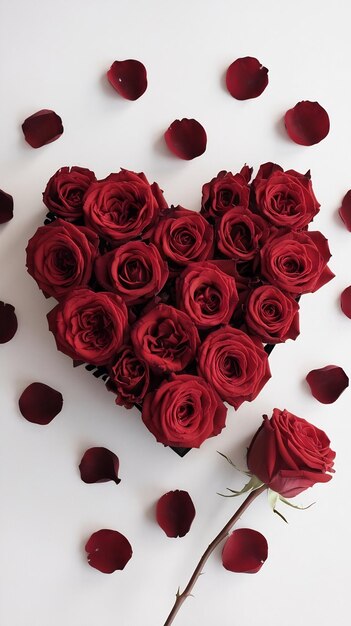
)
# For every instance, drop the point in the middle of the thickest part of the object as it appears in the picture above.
(55, 55)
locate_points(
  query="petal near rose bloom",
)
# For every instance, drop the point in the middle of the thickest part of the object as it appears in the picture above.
(345, 210)
(6, 207)
(40, 403)
(99, 465)
(175, 512)
(8, 322)
(246, 78)
(307, 123)
(327, 383)
(42, 127)
(186, 138)
(108, 550)
(245, 551)
(345, 302)
(128, 78)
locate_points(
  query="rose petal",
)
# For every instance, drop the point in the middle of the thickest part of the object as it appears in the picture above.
(108, 550)
(42, 127)
(8, 322)
(40, 403)
(99, 465)
(128, 78)
(175, 512)
(307, 123)
(345, 210)
(246, 78)
(245, 551)
(186, 138)
(345, 302)
(6, 207)
(327, 383)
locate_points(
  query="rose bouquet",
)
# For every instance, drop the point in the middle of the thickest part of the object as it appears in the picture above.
(176, 309)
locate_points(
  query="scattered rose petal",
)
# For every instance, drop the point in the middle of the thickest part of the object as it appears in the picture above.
(307, 123)
(42, 127)
(246, 78)
(99, 465)
(345, 302)
(128, 78)
(6, 207)
(175, 512)
(186, 138)
(327, 383)
(345, 210)
(108, 550)
(8, 322)
(40, 403)
(245, 551)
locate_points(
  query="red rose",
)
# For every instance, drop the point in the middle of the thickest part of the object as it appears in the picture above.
(206, 294)
(183, 236)
(289, 454)
(296, 262)
(184, 411)
(285, 198)
(60, 257)
(65, 190)
(235, 364)
(225, 192)
(165, 338)
(135, 271)
(89, 326)
(129, 378)
(123, 206)
(271, 315)
(240, 234)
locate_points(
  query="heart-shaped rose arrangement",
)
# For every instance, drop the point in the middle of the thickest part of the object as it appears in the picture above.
(173, 307)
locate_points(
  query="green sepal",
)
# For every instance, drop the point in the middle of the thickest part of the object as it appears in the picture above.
(273, 497)
(295, 506)
(253, 484)
(233, 464)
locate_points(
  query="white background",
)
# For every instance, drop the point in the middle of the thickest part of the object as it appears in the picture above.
(55, 55)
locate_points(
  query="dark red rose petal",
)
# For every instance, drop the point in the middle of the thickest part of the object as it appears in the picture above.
(175, 512)
(42, 127)
(6, 207)
(186, 138)
(8, 322)
(345, 210)
(307, 123)
(345, 302)
(99, 465)
(128, 78)
(246, 78)
(108, 550)
(40, 403)
(245, 551)
(327, 383)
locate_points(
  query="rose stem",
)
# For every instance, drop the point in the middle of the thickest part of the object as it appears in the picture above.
(181, 597)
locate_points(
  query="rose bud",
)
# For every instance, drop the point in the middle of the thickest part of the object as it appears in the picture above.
(289, 454)
(184, 411)
(224, 192)
(235, 364)
(296, 262)
(89, 326)
(183, 236)
(129, 378)
(286, 199)
(241, 234)
(123, 206)
(135, 271)
(165, 338)
(60, 257)
(64, 192)
(206, 294)
(271, 315)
